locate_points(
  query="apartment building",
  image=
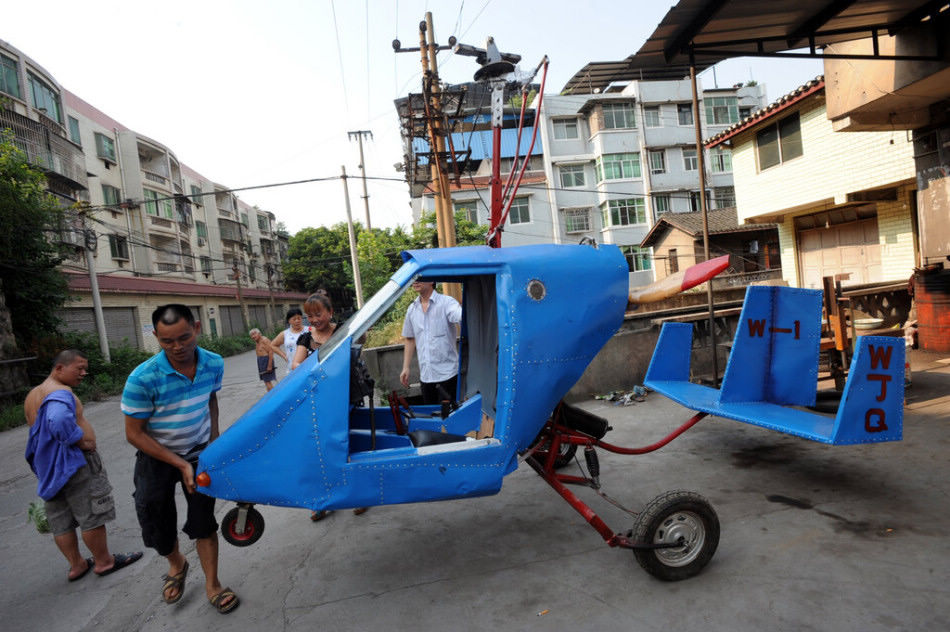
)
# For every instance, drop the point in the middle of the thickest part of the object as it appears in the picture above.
(603, 166)
(159, 230)
(844, 203)
(621, 158)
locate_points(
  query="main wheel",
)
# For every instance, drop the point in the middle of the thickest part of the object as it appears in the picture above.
(679, 517)
(253, 527)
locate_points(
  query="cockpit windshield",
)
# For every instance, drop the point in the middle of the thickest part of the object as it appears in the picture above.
(360, 322)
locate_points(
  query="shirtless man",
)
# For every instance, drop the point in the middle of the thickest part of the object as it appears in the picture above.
(265, 358)
(61, 450)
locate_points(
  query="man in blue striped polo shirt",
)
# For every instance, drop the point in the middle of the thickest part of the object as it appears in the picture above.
(171, 414)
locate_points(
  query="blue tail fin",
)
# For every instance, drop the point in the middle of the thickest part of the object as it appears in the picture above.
(775, 352)
(872, 405)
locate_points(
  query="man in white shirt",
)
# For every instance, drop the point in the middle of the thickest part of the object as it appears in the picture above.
(431, 328)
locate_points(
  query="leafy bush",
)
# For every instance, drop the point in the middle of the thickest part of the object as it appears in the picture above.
(11, 417)
(226, 345)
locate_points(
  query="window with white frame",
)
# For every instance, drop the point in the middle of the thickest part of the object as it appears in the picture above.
(110, 196)
(661, 204)
(721, 110)
(695, 202)
(577, 220)
(684, 113)
(689, 159)
(9, 76)
(618, 116)
(572, 175)
(201, 229)
(45, 98)
(779, 142)
(119, 247)
(206, 265)
(626, 212)
(469, 208)
(156, 207)
(519, 213)
(565, 129)
(721, 159)
(724, 196)
(74, 130)
(618, 166)
(651, 116)
(638, 259)
(105, 147)
(657, 161)
(196, 197)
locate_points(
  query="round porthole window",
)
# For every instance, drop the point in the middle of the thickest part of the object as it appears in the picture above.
(536, 289)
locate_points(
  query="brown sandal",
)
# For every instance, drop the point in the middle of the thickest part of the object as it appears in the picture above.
(175, 582)
(360, 511)
(225, 608)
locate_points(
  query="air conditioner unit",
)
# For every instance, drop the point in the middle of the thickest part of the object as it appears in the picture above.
(201, 241)
(73, 237)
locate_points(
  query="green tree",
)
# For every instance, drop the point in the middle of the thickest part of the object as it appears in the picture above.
(467, 233)
(33, 286)
(317, 258)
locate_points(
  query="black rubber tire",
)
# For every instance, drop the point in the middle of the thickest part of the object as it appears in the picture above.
(253, 527)
(674, 516)
(563, 459)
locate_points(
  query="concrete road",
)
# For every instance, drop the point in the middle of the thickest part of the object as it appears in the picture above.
(814, 537)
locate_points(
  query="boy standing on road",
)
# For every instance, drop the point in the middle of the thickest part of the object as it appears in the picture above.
(265, 358)
(171, 414)
(62, 453)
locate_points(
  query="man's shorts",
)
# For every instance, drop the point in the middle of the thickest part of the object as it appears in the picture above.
(85, 501)
(266, 376)
(155, 483)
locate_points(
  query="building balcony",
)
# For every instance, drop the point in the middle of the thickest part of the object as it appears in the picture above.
(155, 177)
(232, 231)
(46, 147)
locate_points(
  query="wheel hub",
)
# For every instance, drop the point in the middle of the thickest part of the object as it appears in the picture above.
(684, 528)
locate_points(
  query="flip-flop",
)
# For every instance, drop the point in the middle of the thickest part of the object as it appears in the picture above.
(360, 510)
(317, 516)
(121, 561)
(221, 596)
(89, 564)
(175, 581)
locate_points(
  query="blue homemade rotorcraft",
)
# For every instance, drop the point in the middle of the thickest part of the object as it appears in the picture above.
(533, 319)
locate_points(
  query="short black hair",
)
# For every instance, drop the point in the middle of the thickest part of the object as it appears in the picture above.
(171, 314)
(293, 311)
(67, 356)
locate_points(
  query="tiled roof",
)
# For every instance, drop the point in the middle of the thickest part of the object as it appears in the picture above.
(815, 85)
(112, 284)
(722, 220)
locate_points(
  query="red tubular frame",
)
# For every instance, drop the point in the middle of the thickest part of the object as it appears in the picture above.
(558, 434)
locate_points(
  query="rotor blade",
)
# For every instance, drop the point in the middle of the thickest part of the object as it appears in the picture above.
(677, 282)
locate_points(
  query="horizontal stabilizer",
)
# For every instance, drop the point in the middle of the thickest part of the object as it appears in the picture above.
(774, 364)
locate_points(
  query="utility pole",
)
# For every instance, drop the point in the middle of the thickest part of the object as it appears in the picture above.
(237, 278)
(89, 246)
(353, 257)
(443, 195)
(359, 134)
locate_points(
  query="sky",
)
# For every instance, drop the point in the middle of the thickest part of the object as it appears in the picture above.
(253, 93)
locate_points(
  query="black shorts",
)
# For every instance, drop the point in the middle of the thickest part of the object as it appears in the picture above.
(154, 495)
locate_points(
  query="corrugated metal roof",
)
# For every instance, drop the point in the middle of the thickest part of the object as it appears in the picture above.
(721, 29)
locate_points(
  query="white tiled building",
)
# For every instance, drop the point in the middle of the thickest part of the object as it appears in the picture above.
(162, 231)
(615, 161)
(843, 201)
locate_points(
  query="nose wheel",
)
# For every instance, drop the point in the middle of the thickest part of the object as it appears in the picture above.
(243, 525)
